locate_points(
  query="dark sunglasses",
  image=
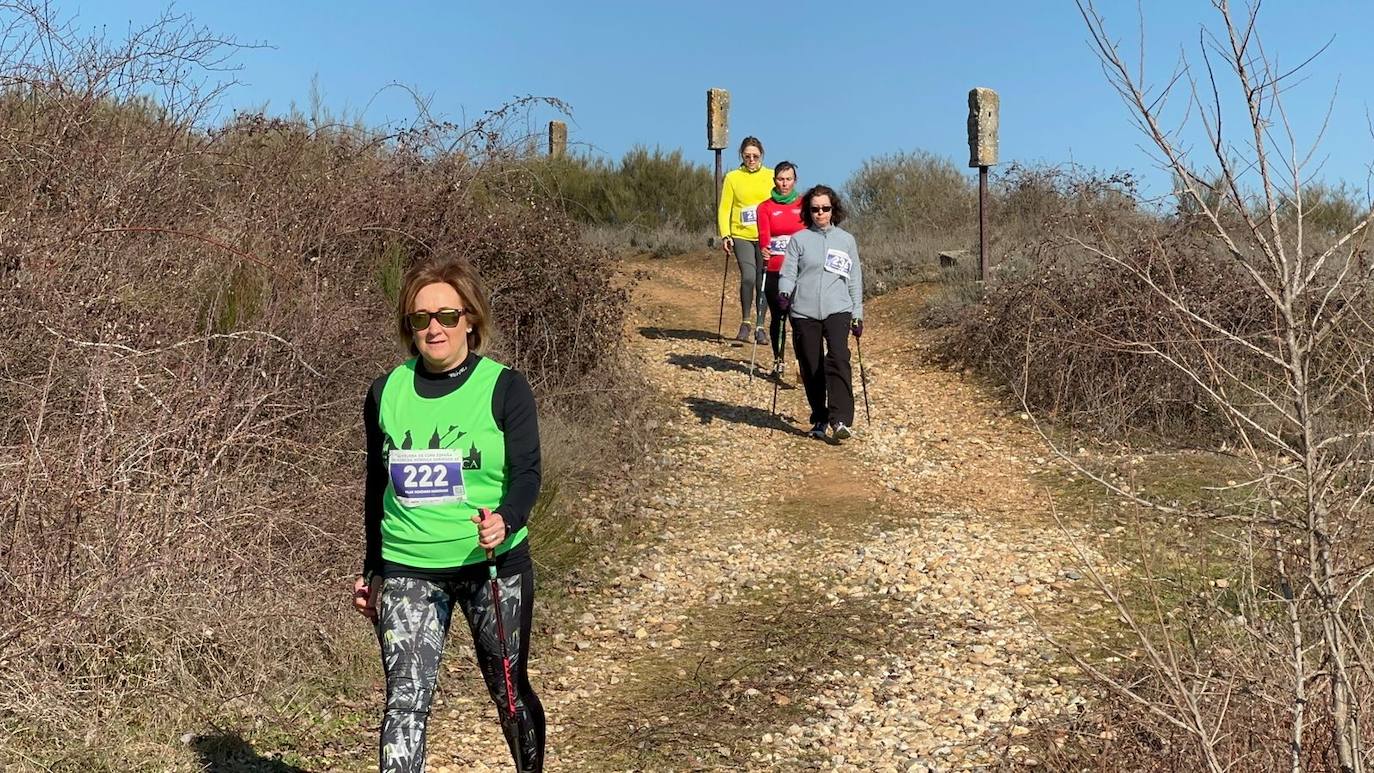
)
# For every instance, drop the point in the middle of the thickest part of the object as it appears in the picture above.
(419, 320)
(825, 208)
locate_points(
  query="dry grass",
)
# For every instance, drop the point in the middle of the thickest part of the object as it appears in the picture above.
(662, 240)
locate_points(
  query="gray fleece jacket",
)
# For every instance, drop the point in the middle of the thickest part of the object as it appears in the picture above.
(820, 271)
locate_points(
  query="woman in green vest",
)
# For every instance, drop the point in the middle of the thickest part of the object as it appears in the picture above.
(453, 470)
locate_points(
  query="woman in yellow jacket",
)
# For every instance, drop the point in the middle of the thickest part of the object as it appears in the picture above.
(737, 223)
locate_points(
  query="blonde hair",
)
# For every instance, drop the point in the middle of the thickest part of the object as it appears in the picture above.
(457, 273)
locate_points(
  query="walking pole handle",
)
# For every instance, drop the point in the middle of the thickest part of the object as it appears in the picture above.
(491, 552)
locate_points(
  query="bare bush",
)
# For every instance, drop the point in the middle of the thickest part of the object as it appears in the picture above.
(190, 318)
(1066, 326)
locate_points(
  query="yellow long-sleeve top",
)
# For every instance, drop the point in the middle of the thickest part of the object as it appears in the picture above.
(740, 195)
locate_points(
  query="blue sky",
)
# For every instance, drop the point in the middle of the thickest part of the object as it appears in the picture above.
(827, 85)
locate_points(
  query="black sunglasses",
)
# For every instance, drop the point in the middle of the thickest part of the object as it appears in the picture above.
(419, 320)
(825, 208)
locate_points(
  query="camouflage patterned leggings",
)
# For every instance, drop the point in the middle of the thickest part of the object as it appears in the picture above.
(412, 621)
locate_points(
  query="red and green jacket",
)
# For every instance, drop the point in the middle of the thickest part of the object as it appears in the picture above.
(777, 223)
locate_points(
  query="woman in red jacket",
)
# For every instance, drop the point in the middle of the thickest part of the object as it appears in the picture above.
(779, 217)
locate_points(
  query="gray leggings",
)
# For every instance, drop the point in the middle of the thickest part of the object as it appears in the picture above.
(750, 280)
(412, 621)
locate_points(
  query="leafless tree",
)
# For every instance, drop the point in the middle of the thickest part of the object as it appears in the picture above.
(1296, 394)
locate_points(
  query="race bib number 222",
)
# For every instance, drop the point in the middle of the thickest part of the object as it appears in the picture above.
(427, 477)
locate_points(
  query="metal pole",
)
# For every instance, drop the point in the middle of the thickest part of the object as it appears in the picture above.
(719, 179)
(982, 222)
(720, 322)
(863, 379)
(500, 626)
(777, 376)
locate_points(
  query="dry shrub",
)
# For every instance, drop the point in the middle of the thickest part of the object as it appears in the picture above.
(1067, 328)
(1118, 736)
(908, 208)
(1068, 319)
(190, 320)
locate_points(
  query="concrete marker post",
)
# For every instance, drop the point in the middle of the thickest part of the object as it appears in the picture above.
(717, 139)
(558, 139)
(983, 117)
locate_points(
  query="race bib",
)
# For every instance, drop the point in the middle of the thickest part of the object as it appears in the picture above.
(838, 262)
(427, 477)
(778, 243)
(749, 215)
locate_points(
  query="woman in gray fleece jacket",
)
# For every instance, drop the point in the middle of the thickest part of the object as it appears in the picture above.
(821, 287)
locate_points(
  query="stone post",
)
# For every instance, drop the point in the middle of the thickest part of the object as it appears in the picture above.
(983, 107)
(558, 139)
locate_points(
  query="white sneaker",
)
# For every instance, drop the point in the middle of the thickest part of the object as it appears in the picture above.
(841, 431)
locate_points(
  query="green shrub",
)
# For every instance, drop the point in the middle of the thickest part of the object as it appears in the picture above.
(644, 189)
(913, 192)
(648, 196)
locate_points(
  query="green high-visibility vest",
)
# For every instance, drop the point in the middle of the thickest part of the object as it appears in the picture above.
(445, 458)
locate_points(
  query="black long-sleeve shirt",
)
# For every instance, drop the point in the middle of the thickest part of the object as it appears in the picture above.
(513, 407)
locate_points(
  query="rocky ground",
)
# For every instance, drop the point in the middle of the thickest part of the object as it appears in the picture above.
(798, 605)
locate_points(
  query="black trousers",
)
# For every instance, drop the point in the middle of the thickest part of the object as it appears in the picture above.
(770, 294)
(822, 348)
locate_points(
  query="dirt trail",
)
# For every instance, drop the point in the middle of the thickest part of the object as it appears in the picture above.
(799, 605)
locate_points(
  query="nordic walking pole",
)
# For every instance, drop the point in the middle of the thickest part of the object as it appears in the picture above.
(863, 379)
(758, 323)
(777, 377)
(500, 624)
(721, 322)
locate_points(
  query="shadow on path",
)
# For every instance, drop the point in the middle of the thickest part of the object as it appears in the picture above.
(707, 362)
(680, 334)
(227, 752)
(707, 410)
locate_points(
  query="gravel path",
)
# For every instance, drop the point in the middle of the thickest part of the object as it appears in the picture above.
(798, 605)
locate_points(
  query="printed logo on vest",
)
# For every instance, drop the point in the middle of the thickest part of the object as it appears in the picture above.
(473, 461)
(431, 475)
